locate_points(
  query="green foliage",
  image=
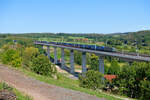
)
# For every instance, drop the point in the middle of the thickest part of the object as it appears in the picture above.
(19, 95)
(77, 57)
(65, 82)
(6, 86)
(17, 60)
(41, 65)
(41, 50)
(31, 60)
(106, 69)
(8, 39)
(92, 80)
(114, 67)
(145, 90)
(29, 54)
(7, 56)
(12, 57)
(94, 64)
(130, 80)
(67, 54)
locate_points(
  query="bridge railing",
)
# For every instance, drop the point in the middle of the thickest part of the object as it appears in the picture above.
(119, 52)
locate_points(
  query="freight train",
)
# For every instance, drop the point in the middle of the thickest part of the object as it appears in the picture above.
(83, 46)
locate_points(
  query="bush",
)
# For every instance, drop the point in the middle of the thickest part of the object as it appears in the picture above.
(29, 54)
(131, 80)
(114, 68)
(17, 61)
(94, 63)
(41, 65)
(145, 90)
(12, 57)
(78, 57)
(7, 56)
(92, 80)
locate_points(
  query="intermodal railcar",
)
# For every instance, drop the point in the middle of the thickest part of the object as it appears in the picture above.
(83, 46)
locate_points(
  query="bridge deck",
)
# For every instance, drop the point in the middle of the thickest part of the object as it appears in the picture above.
(102, 53)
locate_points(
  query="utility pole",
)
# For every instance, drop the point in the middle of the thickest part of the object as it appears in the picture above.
(137, 48)
(106, 42)
(122, 47)
(62, 39)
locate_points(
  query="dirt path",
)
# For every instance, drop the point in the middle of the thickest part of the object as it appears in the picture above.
(40, 90)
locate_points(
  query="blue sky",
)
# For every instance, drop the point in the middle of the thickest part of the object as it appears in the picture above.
(74, 16)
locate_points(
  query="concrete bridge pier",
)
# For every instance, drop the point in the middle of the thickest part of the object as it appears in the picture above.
(101, 64)
(72, 61)
(48, 51)
(84, 69)
(62, 58)
(55, 55)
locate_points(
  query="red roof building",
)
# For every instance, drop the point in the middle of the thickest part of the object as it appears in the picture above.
(110, 77)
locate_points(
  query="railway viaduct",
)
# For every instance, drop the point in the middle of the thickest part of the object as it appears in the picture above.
(101, 55)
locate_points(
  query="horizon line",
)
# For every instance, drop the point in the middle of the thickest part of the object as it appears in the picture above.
(68, 32)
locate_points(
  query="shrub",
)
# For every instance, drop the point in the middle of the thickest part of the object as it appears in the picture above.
(92, 80)
(29, 54)
(130, 80)
(41, 65)
(94, 64)
(7, 56)
(78, 57)
(17, 61)
(114, 68)
(145, 90)
(12, 57)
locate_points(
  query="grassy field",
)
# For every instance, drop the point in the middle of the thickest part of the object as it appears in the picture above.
(19, 95)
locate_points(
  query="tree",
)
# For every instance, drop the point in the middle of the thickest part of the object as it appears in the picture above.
(41, 65)
(114, 68)
(7, 56)
(41, 50)
(94, 64)
(133, 80)
(16, 60)
(92, 80)
(145, 90)
(78, 57)
(12, 57)
(29, 54)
